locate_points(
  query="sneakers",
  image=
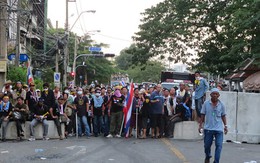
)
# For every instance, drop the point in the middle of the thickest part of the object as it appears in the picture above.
(109, 136)
(118, 136)
(31, 139)
(45, 138)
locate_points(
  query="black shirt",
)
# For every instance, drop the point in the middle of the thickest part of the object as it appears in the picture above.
(180, 109)
(117, 103)
(31, 97)
(146, 107)
(81, 105)
(40, 110)
(106, 102)
(49, 98)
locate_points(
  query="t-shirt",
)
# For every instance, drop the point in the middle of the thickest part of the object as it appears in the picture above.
(180, 109)
(106, 101)
(117, 103)
(146, 107)
(156, 107)
(97, 110)
(81, 105)
(213, 115)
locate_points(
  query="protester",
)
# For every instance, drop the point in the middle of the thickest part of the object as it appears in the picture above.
(144, 113)
(20, 113)
(178, 117)
(70, 112)
(40, 112)
(5, 110)
(106, 119)
(18, 92)
(156, 111)
(48, 96)
(167, 112)
(213, 115)
(58, 115)
(115, 111)
(201, 86)
(98, 109)
(57, 92)
(135, 110)
(81, 103)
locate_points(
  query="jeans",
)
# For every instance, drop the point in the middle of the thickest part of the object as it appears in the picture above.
(35, 122)
(84, 120)
(116, 121)
(198, 105)
(97, 124)
(4, 126)
(208, 139)
(58, 125)
(19, 128)
(105, 125)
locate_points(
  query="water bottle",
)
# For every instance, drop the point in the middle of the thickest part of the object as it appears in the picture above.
(201, 132)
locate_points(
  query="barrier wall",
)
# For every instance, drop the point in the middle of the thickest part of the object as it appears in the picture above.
(52, 130)
(243, 116)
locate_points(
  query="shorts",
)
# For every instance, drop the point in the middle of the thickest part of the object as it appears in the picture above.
(156, 120)
(198, 105)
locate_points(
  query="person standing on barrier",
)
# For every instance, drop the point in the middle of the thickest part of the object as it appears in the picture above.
(48, 96)
(5, 111)
(213, 115)
(40, 112)
(201, 86)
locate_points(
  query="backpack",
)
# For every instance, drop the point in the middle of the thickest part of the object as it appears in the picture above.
(187, 112)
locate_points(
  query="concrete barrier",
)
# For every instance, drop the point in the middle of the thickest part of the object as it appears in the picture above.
(11, 132)
(187, 130)
(243, 110)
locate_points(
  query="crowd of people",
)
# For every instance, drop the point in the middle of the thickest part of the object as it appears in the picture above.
(99, 109)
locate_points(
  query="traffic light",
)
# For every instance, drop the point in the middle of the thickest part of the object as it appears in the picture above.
(72, 74)
(109, 55)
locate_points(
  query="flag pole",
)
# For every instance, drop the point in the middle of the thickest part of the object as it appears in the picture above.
(136, 122)
(122, 124)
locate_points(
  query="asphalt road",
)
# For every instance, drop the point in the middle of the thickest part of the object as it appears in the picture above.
(121, 150)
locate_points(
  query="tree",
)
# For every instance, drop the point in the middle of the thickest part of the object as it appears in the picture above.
(150, 72)
(124, 60)
(17, 74)
(222, 33)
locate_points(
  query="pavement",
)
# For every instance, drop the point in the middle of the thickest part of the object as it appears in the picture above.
(121, 150)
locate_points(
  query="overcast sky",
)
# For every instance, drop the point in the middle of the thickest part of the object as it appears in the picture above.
(118, 20)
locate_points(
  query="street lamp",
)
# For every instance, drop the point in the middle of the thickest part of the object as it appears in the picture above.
(89, 11)
(75, 54)
(66, 50)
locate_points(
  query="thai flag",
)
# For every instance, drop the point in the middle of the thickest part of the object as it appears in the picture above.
(128, 109)
(29, 74)
(123, 83)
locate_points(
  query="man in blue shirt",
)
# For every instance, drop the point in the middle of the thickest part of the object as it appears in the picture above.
(157, 105)
(201, 86)
(213, 115)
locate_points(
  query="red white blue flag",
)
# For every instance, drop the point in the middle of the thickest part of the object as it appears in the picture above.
(128, 109)
(29, 74)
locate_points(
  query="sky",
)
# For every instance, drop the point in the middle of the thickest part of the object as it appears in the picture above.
(117, 20)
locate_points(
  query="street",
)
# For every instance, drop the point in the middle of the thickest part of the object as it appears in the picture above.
(118, 150)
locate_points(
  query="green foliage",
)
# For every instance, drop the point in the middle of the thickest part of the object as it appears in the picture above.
(222, 33)
(150, 72)
(17, 74)
(124, 60)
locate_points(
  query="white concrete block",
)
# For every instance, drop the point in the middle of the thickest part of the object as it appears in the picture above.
(187, 130)
(11, 132)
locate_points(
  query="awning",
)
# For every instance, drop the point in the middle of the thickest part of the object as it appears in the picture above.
(252, 82)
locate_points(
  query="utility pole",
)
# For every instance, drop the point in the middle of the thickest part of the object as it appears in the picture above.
(58, 52)
(74, 63)
(3, 40)
(45, 25)
(18, 35)
(66, 50)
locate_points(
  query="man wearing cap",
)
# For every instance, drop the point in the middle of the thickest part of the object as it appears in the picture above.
(5, 109)
(58, 114)
(40, 112)
(213, 115)
(18, 92)
(31, 98)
